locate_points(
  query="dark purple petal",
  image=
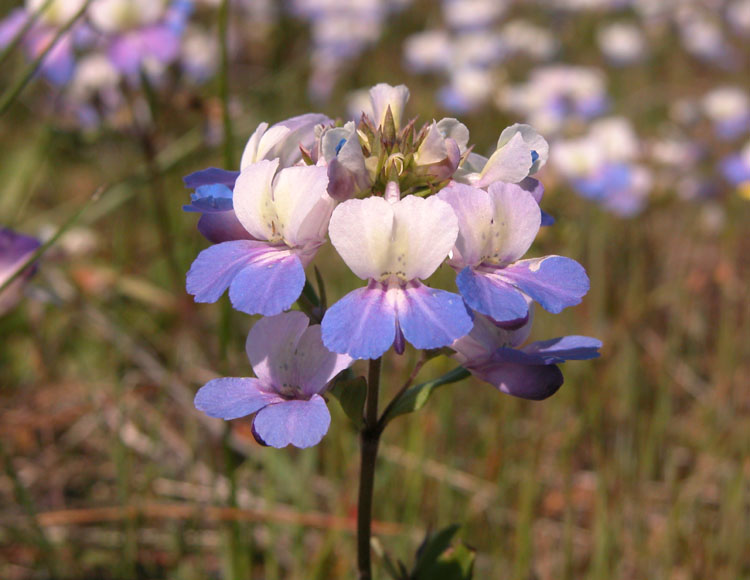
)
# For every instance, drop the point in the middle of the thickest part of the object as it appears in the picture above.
(554, 282)
(301, 423)
(231, 398)
(431, 318)
(486, 293)
(211, 176)
(534, 382)
(362, 324)
(222, 227)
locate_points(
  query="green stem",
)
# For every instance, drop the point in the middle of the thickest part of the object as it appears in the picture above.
(369, 440)
(224, 84)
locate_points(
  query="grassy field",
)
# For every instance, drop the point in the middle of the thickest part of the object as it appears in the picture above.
(638, 468)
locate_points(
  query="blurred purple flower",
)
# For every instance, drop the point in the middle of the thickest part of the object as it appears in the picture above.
(15, 249)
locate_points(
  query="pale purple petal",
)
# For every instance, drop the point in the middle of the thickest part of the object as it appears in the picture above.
(231, 398)
(297, 422)
(516, 222)
(362, 324)
(215, 267)
(271, 343)
(486, 293)
(316, 365)
(431, 318)
(534, 187)
(554, 282)
(473, 209)
(268, 284)
(510, 163)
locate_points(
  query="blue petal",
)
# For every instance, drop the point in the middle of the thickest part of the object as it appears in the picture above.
(557, 350)
(547, 219)
(215, 267)
(362, 324)
(269, 284)
(211, 199)
(230, 398)
(432, 318)
(489, 295)
(210, 176)
(554, 282)
(301, 423)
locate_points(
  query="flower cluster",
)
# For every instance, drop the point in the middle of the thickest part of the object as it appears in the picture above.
(396, 202)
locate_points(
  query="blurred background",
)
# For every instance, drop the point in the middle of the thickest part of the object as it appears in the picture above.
(638, 468)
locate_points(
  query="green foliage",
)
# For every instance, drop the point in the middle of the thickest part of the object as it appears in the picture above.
(414, 398)
(351, 394)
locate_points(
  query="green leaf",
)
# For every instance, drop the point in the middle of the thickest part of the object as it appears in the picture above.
(415, 397)
(432, 547)
(455, 563)
(351, 394)
(436, 559)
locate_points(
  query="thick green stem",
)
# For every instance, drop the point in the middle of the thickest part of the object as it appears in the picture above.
(369, 440)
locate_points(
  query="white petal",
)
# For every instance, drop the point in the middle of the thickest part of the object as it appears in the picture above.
(297, 192)
(510, 163)
(253, 200)
(516, 222)
(382, 96)
(473, 209)
(425, 231)
(360, 230)
(250, 153)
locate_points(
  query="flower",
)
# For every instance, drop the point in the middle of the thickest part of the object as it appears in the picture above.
(293, 369)
(15, 249)
(347, 173)
(286, 215)
(213, 197)
(491, 354)
(520, 152)
(393, 245)
(496, 227)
